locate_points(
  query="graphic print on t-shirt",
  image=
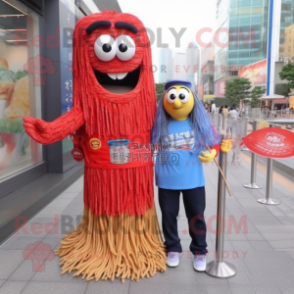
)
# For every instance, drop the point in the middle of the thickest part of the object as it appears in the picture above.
(177, 166)
(179, 141)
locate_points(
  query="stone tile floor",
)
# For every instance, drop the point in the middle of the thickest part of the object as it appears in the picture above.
(262, 249)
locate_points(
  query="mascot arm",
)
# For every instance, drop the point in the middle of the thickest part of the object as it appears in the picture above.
(51, 132)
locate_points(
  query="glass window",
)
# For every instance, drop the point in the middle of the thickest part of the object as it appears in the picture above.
(286, 28)
(244, 53)
(244, 20)
(233, 54)
(257, 3)
(234, 4)
(256, 19)
(286, 6)
(234, 21)
(245, 3)
(21, 78)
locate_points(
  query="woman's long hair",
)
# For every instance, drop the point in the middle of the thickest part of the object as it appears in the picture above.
(204, 133)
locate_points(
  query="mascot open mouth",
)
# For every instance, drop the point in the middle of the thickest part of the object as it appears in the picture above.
(118, 83)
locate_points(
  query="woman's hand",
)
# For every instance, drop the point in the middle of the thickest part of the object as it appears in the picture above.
(208, 156)
(226, 146)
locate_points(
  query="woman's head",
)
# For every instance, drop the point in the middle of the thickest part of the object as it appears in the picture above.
(178, 101)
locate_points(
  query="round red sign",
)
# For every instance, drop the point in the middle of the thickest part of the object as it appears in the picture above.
(77, 154)
(271, 142)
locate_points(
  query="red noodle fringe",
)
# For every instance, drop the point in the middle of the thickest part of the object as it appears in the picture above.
(117, 191)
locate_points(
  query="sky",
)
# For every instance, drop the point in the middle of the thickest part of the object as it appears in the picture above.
(161, 15)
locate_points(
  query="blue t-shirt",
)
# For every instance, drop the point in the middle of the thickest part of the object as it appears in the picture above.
(176, 167)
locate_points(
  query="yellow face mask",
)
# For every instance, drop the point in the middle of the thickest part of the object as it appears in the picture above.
(178, 102)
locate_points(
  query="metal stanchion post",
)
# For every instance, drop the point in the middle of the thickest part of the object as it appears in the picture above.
(233, 128)
(227, 130)
(213, 119)
(219, 268)
(219, 117)
(244, 148)
(239, 128)
(253, 184)
(223, 123)
(269, 184)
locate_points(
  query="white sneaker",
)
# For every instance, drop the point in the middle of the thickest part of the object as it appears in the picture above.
(173, 259)
(199, 262)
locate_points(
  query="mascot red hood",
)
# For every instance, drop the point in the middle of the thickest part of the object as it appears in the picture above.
(113, 112)
(127, 113)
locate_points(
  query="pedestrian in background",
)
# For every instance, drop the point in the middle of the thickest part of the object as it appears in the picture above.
(225, 111)
(233, 113)
(206, 106)
(213, 108)
(220, 111)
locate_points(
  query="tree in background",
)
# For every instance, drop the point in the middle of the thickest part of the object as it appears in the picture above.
(237, 90)
(255, 94)
(287, 73)
(220, 101)
(159, 90)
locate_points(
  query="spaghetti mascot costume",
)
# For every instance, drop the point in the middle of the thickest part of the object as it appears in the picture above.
(113, 112)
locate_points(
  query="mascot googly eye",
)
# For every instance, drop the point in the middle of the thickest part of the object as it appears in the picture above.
(105, 48)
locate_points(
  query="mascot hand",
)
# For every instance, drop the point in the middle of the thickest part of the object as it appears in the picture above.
(208, 156)
(226, 146)
(37, 129)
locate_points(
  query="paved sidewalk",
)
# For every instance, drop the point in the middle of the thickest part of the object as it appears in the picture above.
(263, 254)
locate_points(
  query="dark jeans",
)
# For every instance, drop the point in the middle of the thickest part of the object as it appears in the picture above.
(194, 202)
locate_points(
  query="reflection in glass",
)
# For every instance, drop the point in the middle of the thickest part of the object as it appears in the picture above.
(19, 93)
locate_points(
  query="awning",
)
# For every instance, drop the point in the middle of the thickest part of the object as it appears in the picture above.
(209, 98)
(272, 97)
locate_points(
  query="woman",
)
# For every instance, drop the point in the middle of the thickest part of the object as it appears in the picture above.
(183, 131)
(220, 111)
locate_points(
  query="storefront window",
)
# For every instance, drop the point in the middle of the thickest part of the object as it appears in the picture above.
(67, 24)
(21, 79)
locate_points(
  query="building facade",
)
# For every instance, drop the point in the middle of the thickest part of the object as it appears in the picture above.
(179, 65)
(35, 80)
(286, 44)
(192, 69)
(221, 52)
(287, 29)
(259, 40)
(206, 72)
(248, 25)
(241, 34)
(165, 70)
